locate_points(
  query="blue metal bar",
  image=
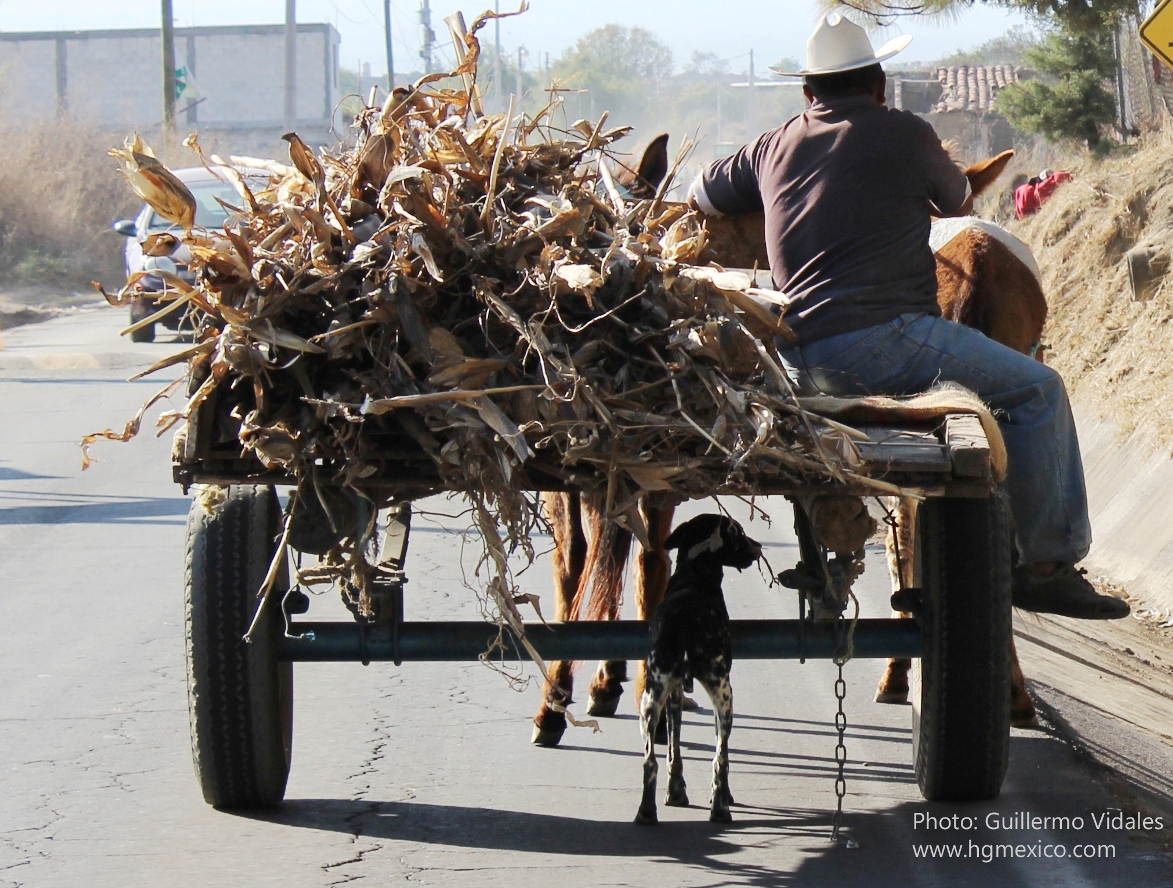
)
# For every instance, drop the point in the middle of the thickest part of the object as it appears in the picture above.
(587, 640)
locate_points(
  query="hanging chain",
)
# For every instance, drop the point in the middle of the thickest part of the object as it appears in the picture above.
(840, 746)
(841, 687)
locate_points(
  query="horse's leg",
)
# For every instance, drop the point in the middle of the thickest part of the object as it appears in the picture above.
(606, 564)
(607, 687)
(652, 569)
(1022, 707)
(570, 548)
(893, 686)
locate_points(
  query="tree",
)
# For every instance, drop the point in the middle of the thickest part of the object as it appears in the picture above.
(706, 64)
(786, 64)
(623, 68)
(1077, 58)
(1076, 102)
(1007, 49)
(1072, 15)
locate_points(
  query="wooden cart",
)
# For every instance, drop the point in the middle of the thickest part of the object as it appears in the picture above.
(241, 694)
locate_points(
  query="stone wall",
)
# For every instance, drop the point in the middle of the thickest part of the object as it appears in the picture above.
(112, 79)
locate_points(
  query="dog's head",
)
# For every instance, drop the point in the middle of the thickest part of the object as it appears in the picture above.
(717, 537)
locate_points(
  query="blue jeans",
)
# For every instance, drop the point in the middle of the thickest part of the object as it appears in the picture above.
(911, 353)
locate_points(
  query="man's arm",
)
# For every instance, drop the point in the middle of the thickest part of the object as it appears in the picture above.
(949, 189)
(729, 186)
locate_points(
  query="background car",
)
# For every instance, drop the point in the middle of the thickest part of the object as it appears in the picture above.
(208, 191)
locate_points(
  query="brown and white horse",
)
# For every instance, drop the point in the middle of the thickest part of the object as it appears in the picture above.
(982, 282)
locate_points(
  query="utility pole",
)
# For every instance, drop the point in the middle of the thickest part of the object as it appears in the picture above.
(387, 40)
(498, 101)
(427, 37)
(718, 112)
(290, 118)
(520, 54)
(168, 68)
(751, 105)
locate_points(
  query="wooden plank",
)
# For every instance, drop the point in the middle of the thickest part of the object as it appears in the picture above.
(902, 450)
(969, 450)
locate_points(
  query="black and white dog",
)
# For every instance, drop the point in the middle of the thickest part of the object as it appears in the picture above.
(690, 639)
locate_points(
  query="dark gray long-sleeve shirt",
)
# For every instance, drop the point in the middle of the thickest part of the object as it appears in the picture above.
(846, 188)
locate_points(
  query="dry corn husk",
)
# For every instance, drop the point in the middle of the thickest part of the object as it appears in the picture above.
(475, 289)
(155, 184)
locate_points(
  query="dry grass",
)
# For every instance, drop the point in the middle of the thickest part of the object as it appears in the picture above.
(1112, 351)
(59, 193)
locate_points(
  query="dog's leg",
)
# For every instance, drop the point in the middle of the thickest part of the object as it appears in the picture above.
(650, 709)
(721, 693)
(677, 793)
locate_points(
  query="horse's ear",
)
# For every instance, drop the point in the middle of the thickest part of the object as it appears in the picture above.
(983, 173)
(653, 166)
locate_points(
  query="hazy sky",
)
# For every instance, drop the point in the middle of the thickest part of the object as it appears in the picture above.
(730, 28)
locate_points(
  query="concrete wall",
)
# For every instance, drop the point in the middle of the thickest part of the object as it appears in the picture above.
(1130, 499)
(112, 78)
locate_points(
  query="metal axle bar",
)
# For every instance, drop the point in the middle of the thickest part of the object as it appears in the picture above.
(587, 640)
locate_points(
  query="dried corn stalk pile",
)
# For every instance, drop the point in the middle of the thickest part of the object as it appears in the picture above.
(477, 287)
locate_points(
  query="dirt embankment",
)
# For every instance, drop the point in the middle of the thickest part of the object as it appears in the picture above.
(1113, 352)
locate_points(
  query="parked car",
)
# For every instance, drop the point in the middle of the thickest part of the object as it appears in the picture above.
(208, 191)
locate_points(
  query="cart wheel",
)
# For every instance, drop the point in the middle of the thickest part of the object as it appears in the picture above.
(961, 687)
(143, 334)
(240, 698)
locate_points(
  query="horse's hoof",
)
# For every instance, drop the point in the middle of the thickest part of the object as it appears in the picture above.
(603, 707)
(720, 815)
(689, 704)
(1025, 718)
(646, 818)
(899, 698)
(677, 800)
(545, 737)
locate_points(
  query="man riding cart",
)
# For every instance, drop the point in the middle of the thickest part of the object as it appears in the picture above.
(848, 189)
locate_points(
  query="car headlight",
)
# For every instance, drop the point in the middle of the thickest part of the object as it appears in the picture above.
(160, 263)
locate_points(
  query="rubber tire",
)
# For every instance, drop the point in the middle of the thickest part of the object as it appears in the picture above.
(960, 689)
(143, 334)
(240, 698)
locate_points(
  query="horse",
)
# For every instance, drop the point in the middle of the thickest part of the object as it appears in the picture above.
(591, 551)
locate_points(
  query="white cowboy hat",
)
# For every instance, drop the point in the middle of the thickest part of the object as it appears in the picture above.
(841, 45)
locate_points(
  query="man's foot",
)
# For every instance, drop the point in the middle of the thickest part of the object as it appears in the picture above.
(1065, 591)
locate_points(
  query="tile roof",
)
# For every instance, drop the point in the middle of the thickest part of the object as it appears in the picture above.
(973, 88)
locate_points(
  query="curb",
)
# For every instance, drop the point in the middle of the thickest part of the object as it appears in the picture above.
(74, 361)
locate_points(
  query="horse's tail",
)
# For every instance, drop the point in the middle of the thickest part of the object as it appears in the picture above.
(600, 590)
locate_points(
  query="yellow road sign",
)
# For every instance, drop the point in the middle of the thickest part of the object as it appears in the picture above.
(1157, 32)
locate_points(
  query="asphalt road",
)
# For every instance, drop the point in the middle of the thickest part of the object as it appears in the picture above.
(423, 773)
